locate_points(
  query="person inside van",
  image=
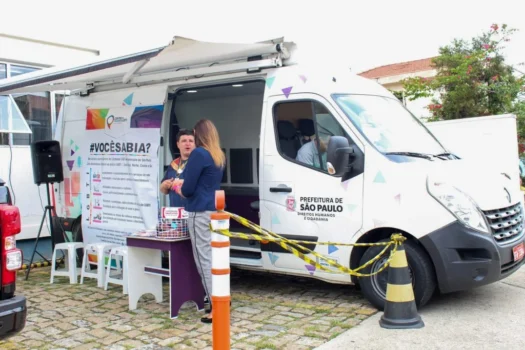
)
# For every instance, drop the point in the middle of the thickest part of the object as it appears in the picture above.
(309, 154)
(185, 143)
(202, 178)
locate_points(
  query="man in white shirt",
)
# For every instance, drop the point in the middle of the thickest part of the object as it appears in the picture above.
(309, 153)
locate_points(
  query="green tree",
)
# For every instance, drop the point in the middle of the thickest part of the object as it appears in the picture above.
(472, 80)
(397, 94)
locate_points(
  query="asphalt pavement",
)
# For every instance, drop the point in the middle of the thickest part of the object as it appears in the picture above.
(488, 317)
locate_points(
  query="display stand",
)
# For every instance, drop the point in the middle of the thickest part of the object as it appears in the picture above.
(146, 272)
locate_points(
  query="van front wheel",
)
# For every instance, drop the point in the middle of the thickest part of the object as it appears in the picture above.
(420, 268)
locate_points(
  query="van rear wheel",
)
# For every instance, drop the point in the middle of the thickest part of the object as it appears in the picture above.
(420, 268)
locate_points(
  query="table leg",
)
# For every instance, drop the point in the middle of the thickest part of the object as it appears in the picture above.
(185, 281)
(140, 283)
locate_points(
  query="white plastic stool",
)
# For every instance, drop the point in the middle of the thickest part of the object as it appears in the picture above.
(120, 251)
(101, 250)
(71, 270)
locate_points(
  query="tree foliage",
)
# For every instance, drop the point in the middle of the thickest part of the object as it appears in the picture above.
(472, 80)
(397, 94)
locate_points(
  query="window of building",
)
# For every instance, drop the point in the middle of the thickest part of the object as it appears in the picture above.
(36, 109)
(304, 129)
(19, 70)
(11, 119)
(3, 71)
(58, 104)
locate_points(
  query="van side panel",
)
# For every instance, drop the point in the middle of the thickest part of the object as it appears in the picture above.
(73, 138)
(70, 135)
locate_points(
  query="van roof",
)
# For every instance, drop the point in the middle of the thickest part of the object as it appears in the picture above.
(181, 58)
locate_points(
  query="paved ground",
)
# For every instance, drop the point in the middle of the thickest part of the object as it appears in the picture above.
(269, 312)
(489, 317)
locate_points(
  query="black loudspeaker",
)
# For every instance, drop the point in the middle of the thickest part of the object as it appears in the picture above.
(47, 162)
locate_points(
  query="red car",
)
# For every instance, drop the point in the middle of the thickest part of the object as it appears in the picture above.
(13, 309)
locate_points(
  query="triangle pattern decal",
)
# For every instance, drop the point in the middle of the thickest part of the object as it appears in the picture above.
(378, 223)
(287, 91)
(332, 248)
(379, 178)
(273, 257)
(269, 82)
(128, 100)
(310, 269)
(351, 207)
(398, 199)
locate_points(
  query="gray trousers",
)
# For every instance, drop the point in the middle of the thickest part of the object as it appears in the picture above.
(200, 234)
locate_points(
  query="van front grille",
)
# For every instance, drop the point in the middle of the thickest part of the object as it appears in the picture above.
(506, 223)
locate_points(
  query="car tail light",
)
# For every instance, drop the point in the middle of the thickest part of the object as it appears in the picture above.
(12, 257)
(13, 260)
(10, 243)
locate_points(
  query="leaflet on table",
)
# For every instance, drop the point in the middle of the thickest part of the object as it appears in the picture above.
(173, 213)
(121, 172)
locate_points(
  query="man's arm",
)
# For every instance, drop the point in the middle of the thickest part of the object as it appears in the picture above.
(192, 172)
(165, 186)
(165, 183)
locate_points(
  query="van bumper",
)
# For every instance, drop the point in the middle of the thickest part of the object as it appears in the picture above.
(465, 259)
(13, 314)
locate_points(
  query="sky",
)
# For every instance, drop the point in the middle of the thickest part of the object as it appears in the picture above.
(361, 35)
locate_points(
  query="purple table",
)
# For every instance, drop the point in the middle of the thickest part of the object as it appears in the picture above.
(145, 272)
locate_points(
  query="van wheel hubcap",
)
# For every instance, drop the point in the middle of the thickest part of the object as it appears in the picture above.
(380, 280)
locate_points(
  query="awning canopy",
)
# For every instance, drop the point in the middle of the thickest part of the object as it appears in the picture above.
(179, 54)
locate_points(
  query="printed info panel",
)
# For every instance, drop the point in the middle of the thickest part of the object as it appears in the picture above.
(120, 175)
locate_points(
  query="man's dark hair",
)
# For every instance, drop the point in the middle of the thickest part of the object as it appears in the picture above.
(183, 132)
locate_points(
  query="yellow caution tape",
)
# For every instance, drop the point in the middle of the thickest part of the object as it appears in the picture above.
(265, 236)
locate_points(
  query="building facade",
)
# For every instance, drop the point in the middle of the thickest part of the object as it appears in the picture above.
(391, 77)
(38, 112)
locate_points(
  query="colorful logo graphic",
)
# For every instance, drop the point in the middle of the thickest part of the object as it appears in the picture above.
(110, 120)
(96, 119)
(147, 117)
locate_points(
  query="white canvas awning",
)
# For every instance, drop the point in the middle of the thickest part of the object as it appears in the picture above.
(143, 66)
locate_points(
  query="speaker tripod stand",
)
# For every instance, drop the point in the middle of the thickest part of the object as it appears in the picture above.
(47, 210)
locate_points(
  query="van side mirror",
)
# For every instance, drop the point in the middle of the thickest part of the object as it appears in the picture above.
(340, 156)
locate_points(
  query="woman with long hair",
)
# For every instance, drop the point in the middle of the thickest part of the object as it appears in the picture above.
(202, 178)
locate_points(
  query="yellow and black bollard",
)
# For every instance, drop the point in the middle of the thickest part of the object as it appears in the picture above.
(400, 306)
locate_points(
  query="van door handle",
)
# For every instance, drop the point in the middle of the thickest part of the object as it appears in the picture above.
(281, 189)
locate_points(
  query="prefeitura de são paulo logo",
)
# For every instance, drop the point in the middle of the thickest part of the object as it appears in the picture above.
(290, 203)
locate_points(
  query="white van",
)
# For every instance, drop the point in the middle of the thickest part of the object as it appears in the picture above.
(383, 171)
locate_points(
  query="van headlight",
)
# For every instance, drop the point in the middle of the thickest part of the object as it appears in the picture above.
(459, 204)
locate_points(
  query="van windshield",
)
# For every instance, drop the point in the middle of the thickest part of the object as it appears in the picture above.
(386, 124)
